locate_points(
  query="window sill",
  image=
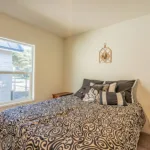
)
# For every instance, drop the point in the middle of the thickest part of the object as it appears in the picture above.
(17, 102)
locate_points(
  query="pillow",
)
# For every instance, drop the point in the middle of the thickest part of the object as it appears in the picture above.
(112, 87)
(104, 87)
(93, 93)
(99, 87)
(127, 86)
(86, 87)
(112, 98)
(82, 91)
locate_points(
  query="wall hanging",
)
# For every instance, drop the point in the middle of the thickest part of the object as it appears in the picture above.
(105, 55)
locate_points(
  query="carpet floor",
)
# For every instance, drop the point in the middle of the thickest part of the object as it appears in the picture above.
(144, 142)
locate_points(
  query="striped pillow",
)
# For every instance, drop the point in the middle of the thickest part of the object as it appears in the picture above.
(128, 86)
(112, 98)
(112, 87)
(104, 87)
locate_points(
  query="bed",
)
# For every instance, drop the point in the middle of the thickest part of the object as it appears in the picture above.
(68, 123)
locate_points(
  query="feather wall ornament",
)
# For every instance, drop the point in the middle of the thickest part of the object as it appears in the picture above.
(105, 55)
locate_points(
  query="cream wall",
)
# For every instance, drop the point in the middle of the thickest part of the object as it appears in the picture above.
(48, 54)
(129, 42)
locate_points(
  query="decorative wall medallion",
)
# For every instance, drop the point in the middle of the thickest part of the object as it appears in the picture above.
(105, 55)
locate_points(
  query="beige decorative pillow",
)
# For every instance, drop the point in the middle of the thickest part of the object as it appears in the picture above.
(112, 87)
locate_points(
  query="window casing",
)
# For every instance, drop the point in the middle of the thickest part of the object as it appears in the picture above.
(16, 71)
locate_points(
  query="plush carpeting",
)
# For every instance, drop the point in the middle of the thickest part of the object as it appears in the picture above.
(144, 142)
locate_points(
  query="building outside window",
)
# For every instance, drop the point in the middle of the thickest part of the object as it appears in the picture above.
(16, 71)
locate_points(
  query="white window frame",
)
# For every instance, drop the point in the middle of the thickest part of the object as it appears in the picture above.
(20, 72)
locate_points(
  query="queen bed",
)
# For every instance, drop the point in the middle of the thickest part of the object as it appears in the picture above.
(69, 123)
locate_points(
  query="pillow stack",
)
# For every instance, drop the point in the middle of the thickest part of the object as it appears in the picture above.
(107, 93)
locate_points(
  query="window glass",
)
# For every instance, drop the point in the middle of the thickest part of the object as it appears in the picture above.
(16, 67)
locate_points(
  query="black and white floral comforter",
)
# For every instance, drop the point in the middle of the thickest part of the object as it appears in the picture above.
(68, 123)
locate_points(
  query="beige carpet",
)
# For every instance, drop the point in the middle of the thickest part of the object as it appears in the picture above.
(144, 142)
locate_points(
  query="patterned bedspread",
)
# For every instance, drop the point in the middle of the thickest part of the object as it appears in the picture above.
(68, 123)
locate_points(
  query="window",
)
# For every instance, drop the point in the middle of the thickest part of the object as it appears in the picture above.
(16, 71)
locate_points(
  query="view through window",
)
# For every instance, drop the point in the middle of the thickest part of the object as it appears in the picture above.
(16, 71)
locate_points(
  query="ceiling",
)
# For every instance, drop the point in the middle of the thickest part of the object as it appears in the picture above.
(70, 17)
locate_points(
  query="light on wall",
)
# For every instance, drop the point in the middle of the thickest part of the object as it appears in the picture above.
(105, 55)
